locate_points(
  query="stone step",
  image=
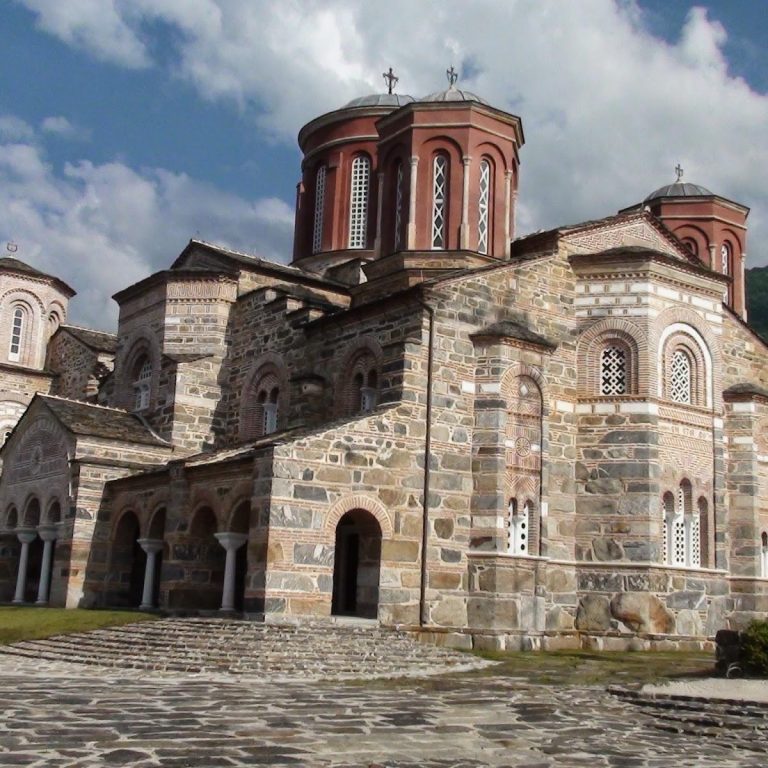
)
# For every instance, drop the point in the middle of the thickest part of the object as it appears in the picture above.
(239, 647)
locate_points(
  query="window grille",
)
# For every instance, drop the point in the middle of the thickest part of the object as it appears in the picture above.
(482, 224)
(725, 256)
(517, 538)
(613, 371)
(668, 512)
(14, 352)
(439, 198)
(269, 421)
(317, 227)
(398, 206)
(358, 204)
(764, 555)
(143, 386)
(680, 377)
(694, 541)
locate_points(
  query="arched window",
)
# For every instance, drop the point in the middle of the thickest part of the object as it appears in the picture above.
(317, 225)
(361, 393)
(519, 521)
(683, 527)
(483, 205)
(439, 200)
(692, 245)
(764, 555)
(17, 332)
(358, 202)
(680, 377)
(704, 528)
(261, 410)
(398, 206)
(142, 385)
(726, 267)
(614, 369)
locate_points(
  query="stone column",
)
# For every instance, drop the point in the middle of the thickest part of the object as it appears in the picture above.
(151, 547)
(507, 212)
(26, 536)
(231, 543)
(464, 229)
(49, 534)
(410, 238)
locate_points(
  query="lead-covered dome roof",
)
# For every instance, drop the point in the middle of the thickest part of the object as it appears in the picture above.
(452, 93)
(380, 100)
(680, 189)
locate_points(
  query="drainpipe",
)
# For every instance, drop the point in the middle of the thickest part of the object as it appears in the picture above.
(423, 618)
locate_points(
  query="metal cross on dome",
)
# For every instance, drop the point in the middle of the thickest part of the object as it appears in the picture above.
(391, 80)
(452, 75)
(679, 171)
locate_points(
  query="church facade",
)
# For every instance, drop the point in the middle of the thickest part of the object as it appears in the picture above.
(550, 441)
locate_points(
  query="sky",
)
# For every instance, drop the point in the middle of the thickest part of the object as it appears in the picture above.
(128, 127)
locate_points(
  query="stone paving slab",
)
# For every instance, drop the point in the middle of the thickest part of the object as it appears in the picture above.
(70, 716)
(719, 688)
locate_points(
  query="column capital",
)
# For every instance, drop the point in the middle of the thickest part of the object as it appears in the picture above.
(230, 540)
(150, 545)
(466, 159)
(414, 160)
(48, 532)
(26, 535)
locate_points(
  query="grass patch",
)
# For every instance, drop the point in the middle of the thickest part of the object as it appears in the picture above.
(600, 668)
(22, 623)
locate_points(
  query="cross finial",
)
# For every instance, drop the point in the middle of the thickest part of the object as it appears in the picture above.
(679, 171)
(452, 75)
(11, 247)
(391, 80)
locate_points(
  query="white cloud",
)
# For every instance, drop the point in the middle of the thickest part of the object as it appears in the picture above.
(608, 109)
(13, 128)
(102, 227)
(58, 125)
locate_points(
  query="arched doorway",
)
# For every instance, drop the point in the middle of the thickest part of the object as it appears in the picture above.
(35, 561)
(208, 558)
(128, 564)
(357, 564)
(241, 523)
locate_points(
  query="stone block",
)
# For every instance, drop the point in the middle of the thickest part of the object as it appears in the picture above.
(607, 549)
(593, 613)
(400, 550)
(450, 612)
(688, 599)
(689, 623)
(599, 581)
(313, 554)
(443, 527)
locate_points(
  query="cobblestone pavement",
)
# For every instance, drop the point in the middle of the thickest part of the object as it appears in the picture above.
(58, 714)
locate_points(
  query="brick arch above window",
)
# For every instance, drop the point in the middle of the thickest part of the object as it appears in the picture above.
(139, 373)
(264, 401)
(599, 369)
(359, 384)
(511, 380)
(685, 320)
(686, 369)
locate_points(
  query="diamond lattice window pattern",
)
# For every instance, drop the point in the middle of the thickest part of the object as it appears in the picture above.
(680, 378)
(358, 204)
(613, 371)
(482, 224)
(399, 207)
(317, 229)
(439, 189)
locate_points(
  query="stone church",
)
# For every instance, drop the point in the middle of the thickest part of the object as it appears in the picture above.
(557, 440)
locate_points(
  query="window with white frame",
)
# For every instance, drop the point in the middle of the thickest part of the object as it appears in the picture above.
(764, 555)
(17, 330)
(517, 527)
(483, 206)
(398, 206)
(317, 226)
(682, 528)
(726, 266)
(142, 387)
(439, 200)
(680, 377)
(358, 202)
(613, 370)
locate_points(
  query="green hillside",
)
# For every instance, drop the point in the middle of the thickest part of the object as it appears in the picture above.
(757, 299)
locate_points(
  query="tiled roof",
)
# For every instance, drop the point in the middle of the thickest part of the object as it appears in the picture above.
(98, 340)
(98, 421)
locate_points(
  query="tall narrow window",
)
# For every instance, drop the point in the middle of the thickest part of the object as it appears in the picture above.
(14, 352)
(680, 377)
(358, 202)
(142, 386)
(726, 266)
(317, 228)
(668, 512)
(398, 206)
(482, 223)
(517, 541)
(439, 200)
(268, 400)
(764, 555)
(613, 371)
(704, 528)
